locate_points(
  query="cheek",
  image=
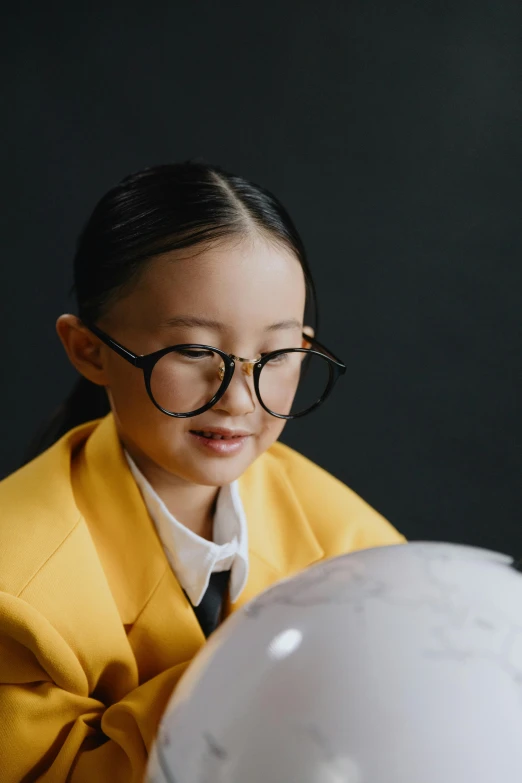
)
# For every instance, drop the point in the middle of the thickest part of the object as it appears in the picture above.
(151, 433)
(138, 418)
(127, 389)
(272, 428)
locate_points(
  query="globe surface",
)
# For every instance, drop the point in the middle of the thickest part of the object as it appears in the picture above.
(399, 664)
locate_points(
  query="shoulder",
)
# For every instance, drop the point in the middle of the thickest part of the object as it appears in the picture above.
(38, 511)
(341, 519)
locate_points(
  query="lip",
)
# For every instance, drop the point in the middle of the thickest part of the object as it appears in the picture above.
(225, 432)
(234, 443)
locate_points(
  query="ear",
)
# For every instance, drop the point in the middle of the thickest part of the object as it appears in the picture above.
(311, 333)
(82, 348)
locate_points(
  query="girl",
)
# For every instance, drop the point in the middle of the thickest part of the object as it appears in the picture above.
(165, 501)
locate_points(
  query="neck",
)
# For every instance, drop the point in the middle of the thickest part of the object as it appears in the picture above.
(192, 504)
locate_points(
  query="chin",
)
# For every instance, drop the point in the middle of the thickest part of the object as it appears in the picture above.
(217, 472)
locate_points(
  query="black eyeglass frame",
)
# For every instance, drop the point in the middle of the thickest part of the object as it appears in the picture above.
(146, 362)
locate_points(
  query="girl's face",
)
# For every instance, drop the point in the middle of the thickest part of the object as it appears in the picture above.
(245, 296)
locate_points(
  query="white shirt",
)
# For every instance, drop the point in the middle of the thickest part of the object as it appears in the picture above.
(193, 558)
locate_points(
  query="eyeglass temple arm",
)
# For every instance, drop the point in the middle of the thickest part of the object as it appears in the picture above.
(117, 347)
(323, 348)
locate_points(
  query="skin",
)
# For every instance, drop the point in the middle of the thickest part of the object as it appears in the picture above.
(246, 284)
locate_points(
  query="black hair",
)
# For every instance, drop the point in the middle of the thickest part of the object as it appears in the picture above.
(154, 211)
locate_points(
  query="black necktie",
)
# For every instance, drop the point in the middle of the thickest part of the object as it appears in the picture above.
(209, 610)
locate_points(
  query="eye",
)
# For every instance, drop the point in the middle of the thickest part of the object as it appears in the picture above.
(194, 353)
(279, 359)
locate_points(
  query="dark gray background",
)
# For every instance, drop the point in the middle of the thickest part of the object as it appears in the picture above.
(391, 131)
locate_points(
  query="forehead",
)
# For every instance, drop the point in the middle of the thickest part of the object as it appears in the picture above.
(236, 281)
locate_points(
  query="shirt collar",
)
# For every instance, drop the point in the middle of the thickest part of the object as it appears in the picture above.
(192, 558)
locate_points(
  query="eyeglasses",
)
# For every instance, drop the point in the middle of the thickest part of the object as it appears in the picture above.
(186, 380)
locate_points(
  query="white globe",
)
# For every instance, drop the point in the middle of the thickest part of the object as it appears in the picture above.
(399, 664)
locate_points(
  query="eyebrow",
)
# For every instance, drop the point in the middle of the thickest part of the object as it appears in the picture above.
(190, 321)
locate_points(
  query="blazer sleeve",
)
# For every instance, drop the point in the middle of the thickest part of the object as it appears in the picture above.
(52, 730)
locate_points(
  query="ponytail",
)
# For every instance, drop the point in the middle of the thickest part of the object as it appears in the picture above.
(86, 401)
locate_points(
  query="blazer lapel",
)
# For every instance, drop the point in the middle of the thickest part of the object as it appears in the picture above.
(281, 541)
(162, 627)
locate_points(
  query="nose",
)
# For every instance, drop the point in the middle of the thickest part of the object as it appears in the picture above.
(240, 397)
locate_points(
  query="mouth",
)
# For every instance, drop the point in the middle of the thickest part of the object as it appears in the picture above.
(220, 442)
(219, 434)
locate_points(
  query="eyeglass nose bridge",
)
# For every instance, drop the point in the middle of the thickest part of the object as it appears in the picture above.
(248, 365)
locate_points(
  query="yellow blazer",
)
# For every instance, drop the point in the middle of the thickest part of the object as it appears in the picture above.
(95, 630)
